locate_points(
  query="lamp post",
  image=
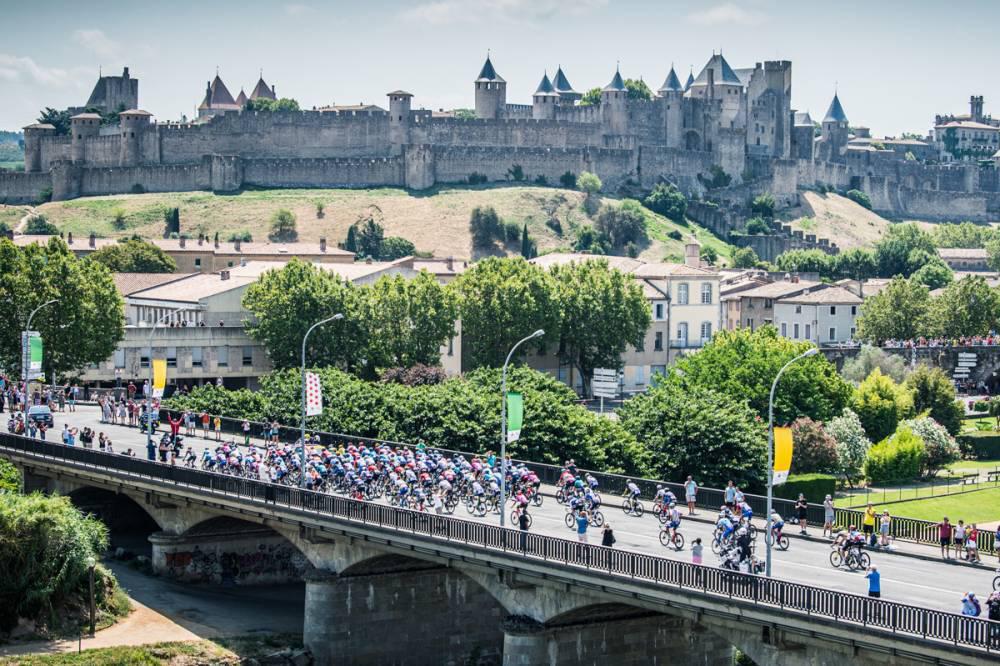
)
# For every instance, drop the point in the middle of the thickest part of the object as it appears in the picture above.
(812, 351)
(503, 424)
(24, 359)
(91, 564)
(302, 463)
(150, 449)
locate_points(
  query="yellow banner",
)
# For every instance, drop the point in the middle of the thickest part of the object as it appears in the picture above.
(159, 376)
(782, 454)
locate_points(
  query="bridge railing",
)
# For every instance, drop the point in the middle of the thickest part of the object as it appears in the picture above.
(928, 624)
(901, 527)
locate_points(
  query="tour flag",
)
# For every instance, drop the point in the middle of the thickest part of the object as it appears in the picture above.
(515, 415)
(159, 376)
(31, 343)
(314, 395)
(782, 455)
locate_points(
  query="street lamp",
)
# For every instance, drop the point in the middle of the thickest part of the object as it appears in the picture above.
(91, 564)
(150, 449)
(302, 464)
(768, 539)
(24, 365)
(503, 424)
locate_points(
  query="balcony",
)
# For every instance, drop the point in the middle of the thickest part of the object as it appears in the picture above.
(688, 343)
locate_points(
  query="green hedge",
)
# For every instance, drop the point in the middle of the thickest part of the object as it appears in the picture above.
(983, 445)
(814, 486)
(900, 457)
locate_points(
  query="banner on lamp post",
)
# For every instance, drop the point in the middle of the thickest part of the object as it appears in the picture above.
(782, 455)
(314, 395)
(515, 415)
(31, 344)
(159, 376)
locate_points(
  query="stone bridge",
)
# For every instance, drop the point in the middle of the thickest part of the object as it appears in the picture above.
(389, 586)
(974, 362)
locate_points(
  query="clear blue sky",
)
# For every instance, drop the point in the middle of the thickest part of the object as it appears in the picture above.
(896, 62)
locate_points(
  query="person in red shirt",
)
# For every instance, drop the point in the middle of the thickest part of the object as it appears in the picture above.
(175, 428)
(944, 532)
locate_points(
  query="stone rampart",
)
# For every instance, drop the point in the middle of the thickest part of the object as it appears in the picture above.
(330, 172)
(454, 164)
(17, 187)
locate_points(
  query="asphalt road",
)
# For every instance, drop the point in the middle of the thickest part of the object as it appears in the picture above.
(910, 580)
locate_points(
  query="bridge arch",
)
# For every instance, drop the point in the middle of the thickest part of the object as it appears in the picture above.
(129, 522)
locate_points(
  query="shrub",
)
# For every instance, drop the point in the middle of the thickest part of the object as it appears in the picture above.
(38, 225)
(589, 183)
(758, 226)
(743, 257)
(515, 173)
(485, 225)
(45, 195)
(476, 178)
(881, 404)
(395, 247)
(980, 445)
(675, 234)
(763, 206)
(709, 255)
(860, 198)
(418, 375)
(242, 236)
(555, 225)
(898, 458)
(941, 447)
(118, 220)
(667, 200)
(814, 486)
(852, 443)
(934, 392)
(541, 179)
(814, 449)
(283, 226)
(868, 358)
(511, 233)
(622, 224)
(320, 208)
(568, 180)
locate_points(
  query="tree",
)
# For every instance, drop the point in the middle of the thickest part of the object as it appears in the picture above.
(272, 105)
(741, 364)
(84, 326)
(284, 303)
(591, 98)
(406, 321)
(171, 221)
(941, 447)
(860, 198)
(993, 254)
(965, 235)
(568, 180)
(898, 312)
(283, 227)
(901, 457)
(856, 369)
(857, 263)
(815, 450)
(717, 178)
(58, 119)
(934, 274)
(893, 252)
(603, 311)
(464, 114)
(745, 257)
(758, 226)
(369, 237)
(881, 404)
(637, 89)
(709, 255)
(134, 256)
(668, 201)
(502, 301)
(699, 432)
(589, 183)
(528, 249)
(485, 225)
(806, 261)
(395, 247)
(852, 443)
(38, 225)
(934, 393)
(320, 209)
(622, 224)
(967, 307)
(763, 206)
(351, 242)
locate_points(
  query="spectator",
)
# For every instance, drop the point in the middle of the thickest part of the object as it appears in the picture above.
(607, 536)
(802, 513)
(993, 606)
(690, 494)
(522, 523)
(958, 539)
(944, 535)
(868, 525)
(696, 551)
(970, 605)
(972, 543)
(874, 582)
(828, 516)
(582, 522)
(205, 422)
(883, 527)
(731, 494)
(218, 428)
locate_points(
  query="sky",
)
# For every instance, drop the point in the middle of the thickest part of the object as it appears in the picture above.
(895, 63)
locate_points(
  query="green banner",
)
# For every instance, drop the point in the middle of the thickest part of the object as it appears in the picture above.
(31, 354)
(515, 415)
(35, 354)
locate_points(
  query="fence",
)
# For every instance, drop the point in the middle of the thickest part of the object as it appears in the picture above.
(902, 528)
(770, 593)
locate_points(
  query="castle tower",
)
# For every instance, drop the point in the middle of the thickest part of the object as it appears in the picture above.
(803, 136)
(114, 93)
(976, 109)
(778, 79)
(491, 92)
(82, 127)
(671, 95)
(399, 119)
(614, 105)
(133, 124)
(33, 136)
(835, 129)
(567, 96)
(545, 100)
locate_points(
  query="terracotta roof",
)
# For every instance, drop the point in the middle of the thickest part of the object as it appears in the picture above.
(86, 116)
(262, 91)
(779, 289)
(664, 270)
(962, 253)
(41, 126)
(439, 266)
(79, 242)
(824, 296)
(129, 283)
(561, 258)
(723, 73)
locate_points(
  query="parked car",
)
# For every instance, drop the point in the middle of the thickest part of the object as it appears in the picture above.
(40, 414)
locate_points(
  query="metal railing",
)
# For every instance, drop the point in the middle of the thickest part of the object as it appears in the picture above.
(622, 565)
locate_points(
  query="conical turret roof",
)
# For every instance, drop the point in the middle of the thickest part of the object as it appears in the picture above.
(241, 99)
(672, 84)
(724, 74)
(262, 91)
(835, 114)
(690, 81)
(217, 94)
(545, 86)
(561, 83)
(488, 73)
(617, 84)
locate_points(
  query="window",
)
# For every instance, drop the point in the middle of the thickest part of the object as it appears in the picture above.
(854, 310)
(143, 360)
(750, 323)
(833, 309)
(833, 334)
(798, 309)
(658, 341)
(659, 311)
(230, 264)
(640, 375)
(808, 332)
(197, 263)
(853, 331)
(119, 358)
(682, 332)
(222, 357)
(784, 330)
(795, 331)
(706, 293)
(451, 346)
(657, 370)
(768, 304)
(682, 294)
(706, 331)
(196, 357)
(248, 356)
(171, 357)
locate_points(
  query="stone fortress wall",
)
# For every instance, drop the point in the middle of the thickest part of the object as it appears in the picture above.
(742, 122)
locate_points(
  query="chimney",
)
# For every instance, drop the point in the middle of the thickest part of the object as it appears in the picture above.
(69, 237)
(201, 239)
(183, 241)
(216, 242)
(93, 239)
(450, 263)
(692, 254)
(236, 245)
(224, 275)
(322, 244)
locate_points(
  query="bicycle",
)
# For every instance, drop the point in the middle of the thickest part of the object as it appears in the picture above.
(594, 519)
(632, 507)
(676, 539)
(777, 539)
(996, 583)
(855, 558)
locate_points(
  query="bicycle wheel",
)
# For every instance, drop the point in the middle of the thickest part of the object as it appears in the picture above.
(836, 558)
(627, 507)
(716, 545)
(996, 583)
(753, 532)
(471, 506)
(536, 499)
(864, 561)
(480, 509)
(569, 520)
(513, 518)
(597, 519)
(678, 541)
(662, 516)
(664, 538)
(637, 510)
(561, 496)
(783, 542)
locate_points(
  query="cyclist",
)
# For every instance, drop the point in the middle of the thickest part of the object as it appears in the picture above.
(776, 524)
(673, 519)
(725, 525)
(632, 490)
(658, 502)
(591, 481)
